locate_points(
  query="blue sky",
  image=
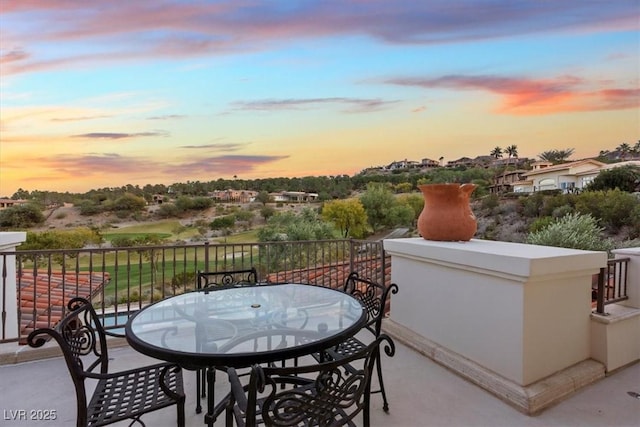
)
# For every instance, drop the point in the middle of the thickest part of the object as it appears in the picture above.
(107, 93)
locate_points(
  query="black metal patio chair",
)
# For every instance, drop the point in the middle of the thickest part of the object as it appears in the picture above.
(213, 280)
(374, 297)
(118, 395)
(323, 394)
(224, 278)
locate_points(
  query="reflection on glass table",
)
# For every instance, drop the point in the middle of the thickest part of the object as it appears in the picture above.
(239, 327)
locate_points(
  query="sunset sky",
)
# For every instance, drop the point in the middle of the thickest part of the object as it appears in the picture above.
(107, 93)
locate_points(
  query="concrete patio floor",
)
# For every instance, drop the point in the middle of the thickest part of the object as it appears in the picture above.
(421, 393)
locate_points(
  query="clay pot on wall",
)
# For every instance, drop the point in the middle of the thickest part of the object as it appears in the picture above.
(447, 214)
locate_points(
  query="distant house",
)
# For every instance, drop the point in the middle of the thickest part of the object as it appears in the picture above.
(504, 182)
(567, 177)
(9, 203)
(293, 196)
(462, 161)
(403, 164)
(230, 195)
(479, 161)
(158, 199)
(428, 163)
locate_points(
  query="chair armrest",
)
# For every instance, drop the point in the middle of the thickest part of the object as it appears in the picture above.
(237, 390)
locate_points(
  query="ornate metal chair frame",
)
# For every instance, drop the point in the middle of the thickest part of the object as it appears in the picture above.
(374, 297)
(323, 394)
(210, 279)
(118, 395)
(218, 280)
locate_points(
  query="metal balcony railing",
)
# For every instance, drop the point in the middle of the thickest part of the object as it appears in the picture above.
(612, 284)
(120, 281)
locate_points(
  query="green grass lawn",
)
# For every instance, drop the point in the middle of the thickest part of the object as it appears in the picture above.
(167, 229)
(111, 236)
(250, 236)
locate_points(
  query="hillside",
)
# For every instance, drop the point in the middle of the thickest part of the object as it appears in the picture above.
(503, 221)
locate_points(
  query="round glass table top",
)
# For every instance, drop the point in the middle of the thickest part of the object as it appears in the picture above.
(243, 325)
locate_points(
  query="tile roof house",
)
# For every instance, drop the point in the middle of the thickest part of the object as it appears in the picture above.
(43, 297)
(566, 176)
(337, 273)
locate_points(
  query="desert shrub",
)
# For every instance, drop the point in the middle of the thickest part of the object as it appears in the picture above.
(561, 211)
(508, 208)
(532, 205)
(624, 178)
(60, 215)
(122, 242)
(201, 203)
(614, 208)
(128, 203)
(223, 222)
(490, 202)
(572, 231)
(244, 216)
(57, 239)
(123, 214)
(21, 216)
(134, 296)
(88, 207)
(168, 210)
(540, 223)
(183, 279)
(553, 202)
(183, 204)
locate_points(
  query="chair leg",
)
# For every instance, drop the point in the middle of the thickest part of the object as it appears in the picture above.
(211, 403)
(366, 415)
(199, 386)
(229, 416)
(203, 379)
(385, 404)
(181, 417)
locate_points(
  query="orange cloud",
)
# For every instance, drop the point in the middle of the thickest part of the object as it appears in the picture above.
(521, 96)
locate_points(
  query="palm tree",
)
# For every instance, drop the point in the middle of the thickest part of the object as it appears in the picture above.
(624, 149)
(556, 156)
(512, 151)
(496, 153)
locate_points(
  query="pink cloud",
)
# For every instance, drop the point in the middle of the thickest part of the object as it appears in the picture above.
(143, 29)
(522, 96)
(119, 135)
(354, 105)
(98, 164)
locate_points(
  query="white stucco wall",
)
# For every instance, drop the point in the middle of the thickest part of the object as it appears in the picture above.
(8, 295)
(519, 310)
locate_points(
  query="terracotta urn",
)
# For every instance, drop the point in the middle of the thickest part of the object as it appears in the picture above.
(447, 214)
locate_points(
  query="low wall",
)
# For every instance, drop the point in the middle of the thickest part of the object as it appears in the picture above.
(615, 335)
(8, 295)
(520, 312)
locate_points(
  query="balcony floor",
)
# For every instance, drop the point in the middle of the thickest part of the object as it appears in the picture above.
(420, 392)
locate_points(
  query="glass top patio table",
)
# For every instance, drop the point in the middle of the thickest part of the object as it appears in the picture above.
(240, 326)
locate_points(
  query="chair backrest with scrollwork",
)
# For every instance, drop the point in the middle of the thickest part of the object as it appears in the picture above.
(82, 339)
(229, 278)
(373, 296)
(323, 394)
